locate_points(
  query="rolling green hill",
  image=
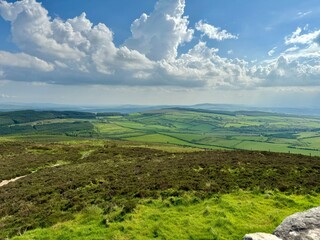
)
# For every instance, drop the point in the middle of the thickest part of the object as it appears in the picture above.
(184, 127)
(18, 117)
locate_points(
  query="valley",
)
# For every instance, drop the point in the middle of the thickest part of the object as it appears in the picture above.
(195, 128)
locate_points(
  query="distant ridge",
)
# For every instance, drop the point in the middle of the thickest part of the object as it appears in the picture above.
(225, 112)
(4, 107)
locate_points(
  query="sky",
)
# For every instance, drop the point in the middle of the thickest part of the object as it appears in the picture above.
(152, 52)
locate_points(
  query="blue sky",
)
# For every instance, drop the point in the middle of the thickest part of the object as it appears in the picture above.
(160, 52)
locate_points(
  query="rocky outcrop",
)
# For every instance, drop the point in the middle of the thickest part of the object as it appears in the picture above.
(299, 226)
(260, 236)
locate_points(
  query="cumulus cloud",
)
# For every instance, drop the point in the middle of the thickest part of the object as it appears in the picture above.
(306, 47)
(159, 34)
(22, 60)
(283, 71)
(204, 63)
(298, 65)
(307, 38)
(75, 51)
(33, 31)
(307, 54)
(213, 32)
(78, 52)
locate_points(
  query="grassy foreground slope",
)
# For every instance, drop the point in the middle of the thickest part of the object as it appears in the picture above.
(223, 216)
(110, 190)
(181, 127)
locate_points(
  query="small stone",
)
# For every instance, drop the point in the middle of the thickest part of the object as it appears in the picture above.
(260, 236)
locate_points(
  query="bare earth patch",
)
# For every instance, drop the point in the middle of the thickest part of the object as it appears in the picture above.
(5, 182)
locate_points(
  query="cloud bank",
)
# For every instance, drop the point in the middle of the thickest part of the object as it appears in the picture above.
(77, 52)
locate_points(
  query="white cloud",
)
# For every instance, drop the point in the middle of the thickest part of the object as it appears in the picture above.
(292, 49)
(297, 66)
(306, 49)
(203, 63)
(22, 60)
(159, 34)
(307, 54)
(213, 32)
(77, 52)
(33, 31)
(306, 39)
(284, 71)
(82, 53)
(272, 51)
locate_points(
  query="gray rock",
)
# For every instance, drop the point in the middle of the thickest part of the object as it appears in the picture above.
(300, 226)
(260, 236)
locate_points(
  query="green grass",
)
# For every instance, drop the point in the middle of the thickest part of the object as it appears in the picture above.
(111, 128)
(171, 139)
(224, 217)
(308, 135)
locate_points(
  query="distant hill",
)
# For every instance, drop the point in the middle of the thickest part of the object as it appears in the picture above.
(141, 108)
(17, 117)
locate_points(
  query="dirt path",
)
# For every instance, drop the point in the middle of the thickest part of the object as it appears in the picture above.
(5, 182)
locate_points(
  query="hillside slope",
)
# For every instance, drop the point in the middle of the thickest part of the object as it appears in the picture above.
(61, 180)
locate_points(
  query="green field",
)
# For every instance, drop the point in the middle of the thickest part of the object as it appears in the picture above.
(182, 127)
(224, 130)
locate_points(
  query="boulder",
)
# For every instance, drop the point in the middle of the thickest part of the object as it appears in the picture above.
(260, 236)
(300, 226)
